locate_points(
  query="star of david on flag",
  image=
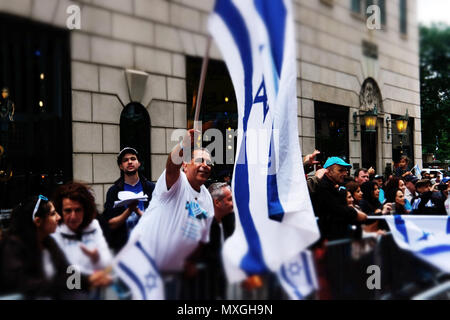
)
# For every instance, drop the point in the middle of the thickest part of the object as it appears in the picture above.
(134, 265)
(427, 237)
(298, 276)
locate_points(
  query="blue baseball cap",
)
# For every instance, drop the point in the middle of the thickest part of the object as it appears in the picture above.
(445, 180)
(336, 160)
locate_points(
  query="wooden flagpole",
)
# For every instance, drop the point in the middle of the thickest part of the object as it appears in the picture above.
(200, 92)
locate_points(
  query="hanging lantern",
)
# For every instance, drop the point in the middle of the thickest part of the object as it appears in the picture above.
(371, 122)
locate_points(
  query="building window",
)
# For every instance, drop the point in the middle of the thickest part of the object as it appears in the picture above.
(218, 109)
(359, 7)
(403, 17)
(135, 133)
(331, 122)
(36, 144)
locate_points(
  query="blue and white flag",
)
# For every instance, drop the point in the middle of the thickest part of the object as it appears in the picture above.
(417, 171)
(137, 269)
(298, 276)
(276, 219)
(428, 237)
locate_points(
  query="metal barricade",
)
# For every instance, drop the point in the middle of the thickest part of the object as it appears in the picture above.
(345, 269)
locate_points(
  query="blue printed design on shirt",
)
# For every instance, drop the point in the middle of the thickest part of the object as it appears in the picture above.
(133, 219)
(191, 230)
(196, 211)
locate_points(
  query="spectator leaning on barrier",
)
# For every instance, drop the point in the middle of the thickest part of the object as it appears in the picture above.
(79, 234)
(356, 194)
(429, 201)
(395, 183)
(31, 262)
(397, 199)
(372, 206)
(329, 202)
(118, 222)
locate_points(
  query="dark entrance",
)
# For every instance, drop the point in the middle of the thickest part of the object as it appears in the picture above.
(331, 123)
(218, 109)
(369, 145)
(37, 142)
(135, 133)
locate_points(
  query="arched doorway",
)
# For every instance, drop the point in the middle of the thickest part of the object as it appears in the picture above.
(370, 98)
(135, 133)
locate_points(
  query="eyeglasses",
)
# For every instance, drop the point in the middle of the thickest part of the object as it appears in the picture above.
(208, 162)
(36, 207)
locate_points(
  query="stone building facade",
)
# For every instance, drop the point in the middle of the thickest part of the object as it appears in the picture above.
(135, 51)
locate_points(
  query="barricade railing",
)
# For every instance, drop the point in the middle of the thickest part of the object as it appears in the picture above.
(342, 267)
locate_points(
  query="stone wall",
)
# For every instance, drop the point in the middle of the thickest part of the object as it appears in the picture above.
(155, 35)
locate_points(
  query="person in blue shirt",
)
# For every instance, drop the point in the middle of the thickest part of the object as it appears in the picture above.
(118, 222)
(379, 181)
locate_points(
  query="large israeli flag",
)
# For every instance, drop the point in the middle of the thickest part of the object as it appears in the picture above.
(428, 237)
(276, 219)
(134, 266)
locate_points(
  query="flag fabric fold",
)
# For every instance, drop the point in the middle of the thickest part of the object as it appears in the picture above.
(298, 276)
(427, 237)
(417, 171)
(137, 269)
(275, 216)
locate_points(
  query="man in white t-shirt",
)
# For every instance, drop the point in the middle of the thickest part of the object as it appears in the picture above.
(178, 219)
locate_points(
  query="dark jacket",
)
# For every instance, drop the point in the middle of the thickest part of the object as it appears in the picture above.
(22, 271)
(437, 207)
(118, 238)
(330, 205)
(212, 256)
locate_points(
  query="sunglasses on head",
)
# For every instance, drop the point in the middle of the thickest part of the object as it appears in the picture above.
(36, 207)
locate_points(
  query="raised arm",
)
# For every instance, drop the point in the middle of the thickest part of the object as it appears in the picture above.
(175, 158)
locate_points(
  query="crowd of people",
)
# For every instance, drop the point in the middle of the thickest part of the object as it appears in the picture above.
(48, 237)
(182, 222)
(344, 204)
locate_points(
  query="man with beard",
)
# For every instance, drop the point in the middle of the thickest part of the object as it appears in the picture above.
(118, 222)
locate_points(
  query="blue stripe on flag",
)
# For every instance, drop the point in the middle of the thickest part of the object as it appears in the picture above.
(134, 278)
(400, 225)
(273, 13)
(306, 266)
(253, 262)
(149, 258)
(276, 211)
(289, 282)
(448, 225)
(435, 250)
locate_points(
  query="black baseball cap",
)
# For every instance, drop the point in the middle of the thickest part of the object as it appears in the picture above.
(423, 182)
(124, 151)
(411, 178)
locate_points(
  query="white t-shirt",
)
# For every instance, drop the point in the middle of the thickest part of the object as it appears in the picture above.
(92, 237)
(175, 222)
(447, 205)
(409, 195)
